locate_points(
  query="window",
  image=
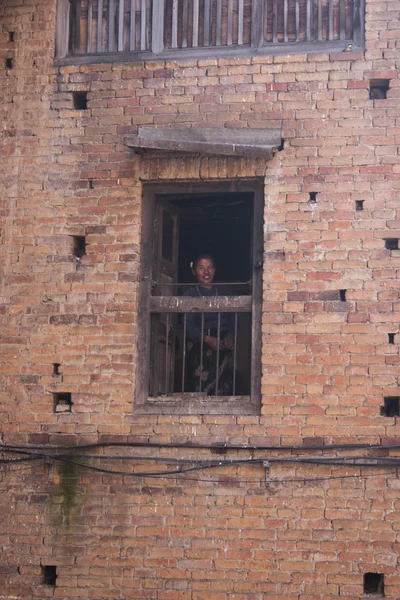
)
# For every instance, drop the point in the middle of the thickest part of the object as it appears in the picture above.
(181, 222)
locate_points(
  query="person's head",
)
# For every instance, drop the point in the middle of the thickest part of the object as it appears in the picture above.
(203, 268)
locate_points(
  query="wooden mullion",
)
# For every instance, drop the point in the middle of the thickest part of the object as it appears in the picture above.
(285, 20)
(76, 28)
(320, 8)
(359, 21)
(63, 28)
(132, 26)
(110, 41)
(89, 27)
(275, 22)
(240, 22)
(185, 15)
(218, 25)
(308, 21)
(174, 41)
(297, 16)
(256, 329)
(257, 24)
(120, 43)
(143, 23)
(330, 20)
(342, 19)
(229, 23)
(196, 9)
(157, 30)
(99, 41)
(207, 22)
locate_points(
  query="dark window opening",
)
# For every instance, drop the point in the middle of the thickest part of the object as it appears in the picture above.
(79, 100)
(9, 63)
(392, 244)
(202, 333)
(378, 88)
(342, 295)
(391, 338)
(56, 368)
(79, 246)
(391, 406)
(49, 574)
(374, 583)
(359, 205)
(182, 359)
(62, 402)
(11, 36)
(312, 197)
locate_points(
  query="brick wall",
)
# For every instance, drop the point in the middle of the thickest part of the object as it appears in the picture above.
(327, 364)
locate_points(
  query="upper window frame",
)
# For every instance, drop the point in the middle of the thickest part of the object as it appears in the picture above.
(143, 403)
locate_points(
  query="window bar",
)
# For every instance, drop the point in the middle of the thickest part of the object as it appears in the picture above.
(218, 34)
(184, 352)
(218, 343)
(297, 20)
(89, 26)
(110, 25)
(166, 355)
(174, 24)
(207, 6)
(143, 25)
(132, 26)
(240, 22)
(275, 23)
(319, 20)
(285, 20)
(76, 36)
(230, 23)
(330, 17)
(308, 21)
(185, 23)
(201, 351)
(121, 25)
(99, 25)
(234, 356)
(342, 8)
(195, 23)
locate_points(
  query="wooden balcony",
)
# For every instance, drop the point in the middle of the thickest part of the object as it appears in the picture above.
(121, 30)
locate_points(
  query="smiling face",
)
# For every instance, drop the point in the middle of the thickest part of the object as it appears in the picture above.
(204, 271)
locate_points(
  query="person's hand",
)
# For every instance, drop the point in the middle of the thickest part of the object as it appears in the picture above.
(229, 341)
(213, 342)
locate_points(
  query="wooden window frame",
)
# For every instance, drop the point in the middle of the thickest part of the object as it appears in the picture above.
(143, 403)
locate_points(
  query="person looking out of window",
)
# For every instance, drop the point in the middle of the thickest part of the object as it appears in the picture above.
(207, 347)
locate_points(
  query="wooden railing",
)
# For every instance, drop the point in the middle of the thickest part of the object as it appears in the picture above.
(178, 27)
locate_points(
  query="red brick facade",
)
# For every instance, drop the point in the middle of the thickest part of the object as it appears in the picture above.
(330, 301)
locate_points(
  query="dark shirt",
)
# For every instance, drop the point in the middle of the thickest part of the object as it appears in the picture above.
(193, 320)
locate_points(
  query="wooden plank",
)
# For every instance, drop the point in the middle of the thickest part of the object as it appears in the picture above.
(143, 24)
(99, 26)
(319, 20)
(174, 40)
(240, 22)
(359, 22)
(218, 33)
(121, 25)
(132, 26)
(157, 29)
(195, 41)
(203, 304)
(257, 23)
(62, 28)
(89, 27)
(229, 23)
(185, 16)
(308, 21)
(110, 26)
(330, 20)
(297, 16)
(285, 20)
(227, 142)
(275, 22)
(342, 19)
(76, 29)
(207, 22)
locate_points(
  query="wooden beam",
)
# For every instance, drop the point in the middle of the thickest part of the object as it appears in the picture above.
(62, 30)
(181, 304)
(229, 142)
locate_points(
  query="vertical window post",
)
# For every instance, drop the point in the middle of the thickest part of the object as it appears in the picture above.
(157, 27)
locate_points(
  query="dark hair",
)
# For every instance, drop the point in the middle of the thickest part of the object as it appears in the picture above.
(200, 257)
